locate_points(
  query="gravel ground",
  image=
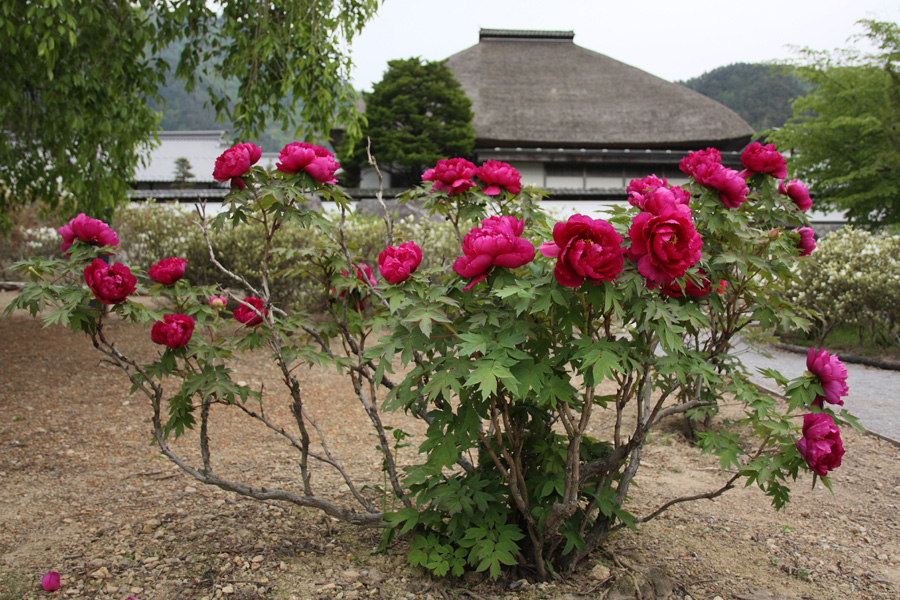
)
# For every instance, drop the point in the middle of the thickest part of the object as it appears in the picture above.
(84, 493)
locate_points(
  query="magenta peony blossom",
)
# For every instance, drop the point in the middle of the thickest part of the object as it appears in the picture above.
(673, 289)
(731, 186)
(168, 270)
(655, 200)
(807, 242)
(248, 316)
(497, 175)
(821, 445)
(50, 581)
(318, 162)
(174, 331)
(235, 162)
(797, 192)
(451, 175)
(650, 182)
(86, 229)
(218, 302)
(652, 189)
(496, 243)
(665, 245)
(396, 264)
(111, 284)
(832, 375)
(690, 162)
(585, 248)
(757, 158)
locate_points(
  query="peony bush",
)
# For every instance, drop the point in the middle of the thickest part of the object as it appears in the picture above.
(511, 356)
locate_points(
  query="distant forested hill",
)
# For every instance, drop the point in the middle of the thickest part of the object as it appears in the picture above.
(761, 94)
(182, 110)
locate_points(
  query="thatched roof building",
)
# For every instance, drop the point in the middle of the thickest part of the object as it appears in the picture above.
(540, 88)
(580, 123)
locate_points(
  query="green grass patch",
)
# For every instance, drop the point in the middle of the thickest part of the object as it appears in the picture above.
(847, 339)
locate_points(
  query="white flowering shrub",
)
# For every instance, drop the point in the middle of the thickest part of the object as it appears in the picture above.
(854, 280)
(27, 238)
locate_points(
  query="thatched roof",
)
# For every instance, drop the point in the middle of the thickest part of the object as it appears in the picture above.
(537, 88)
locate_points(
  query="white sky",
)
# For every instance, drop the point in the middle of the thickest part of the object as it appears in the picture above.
(672, 39)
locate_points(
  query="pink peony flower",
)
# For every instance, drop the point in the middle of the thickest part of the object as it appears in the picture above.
(665, 245)
(168, 270)
(86, 229)
(318, 162)
(111, 284)
(690, 162)
(832, 375)
(50, 581)
(235, 162)
(652, 190)
(797, 192)
(731, 186)
(650, 182)
(496, 243)
(654, 200)
(451, 175)
(757, 158)
(722, 287)
(248, 316)
(174, 331)
(396, 264)
(807, 242)
(585, 248)
(673, 289)
(821, 445)
(498, 175)
(218, 302)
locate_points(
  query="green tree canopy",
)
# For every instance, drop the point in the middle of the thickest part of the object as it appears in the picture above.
(417, 114)
(844, 138)
(761, 94)
(77, 75)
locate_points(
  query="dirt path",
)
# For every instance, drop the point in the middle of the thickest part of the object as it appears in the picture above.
(83, 492)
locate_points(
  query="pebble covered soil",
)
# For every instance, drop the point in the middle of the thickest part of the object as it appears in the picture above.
(84, 492)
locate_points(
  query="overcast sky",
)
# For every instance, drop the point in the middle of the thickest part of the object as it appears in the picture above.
(672, 39)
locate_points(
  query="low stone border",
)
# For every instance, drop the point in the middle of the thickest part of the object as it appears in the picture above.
(878, 363)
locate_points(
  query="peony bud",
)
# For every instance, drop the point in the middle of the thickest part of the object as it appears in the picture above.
(218, 302)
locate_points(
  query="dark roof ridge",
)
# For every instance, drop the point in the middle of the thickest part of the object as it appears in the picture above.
(531, 34)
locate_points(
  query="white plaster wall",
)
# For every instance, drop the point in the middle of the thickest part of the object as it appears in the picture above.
(532, 172)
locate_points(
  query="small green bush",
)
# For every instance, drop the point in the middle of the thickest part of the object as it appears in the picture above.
(149, 232)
